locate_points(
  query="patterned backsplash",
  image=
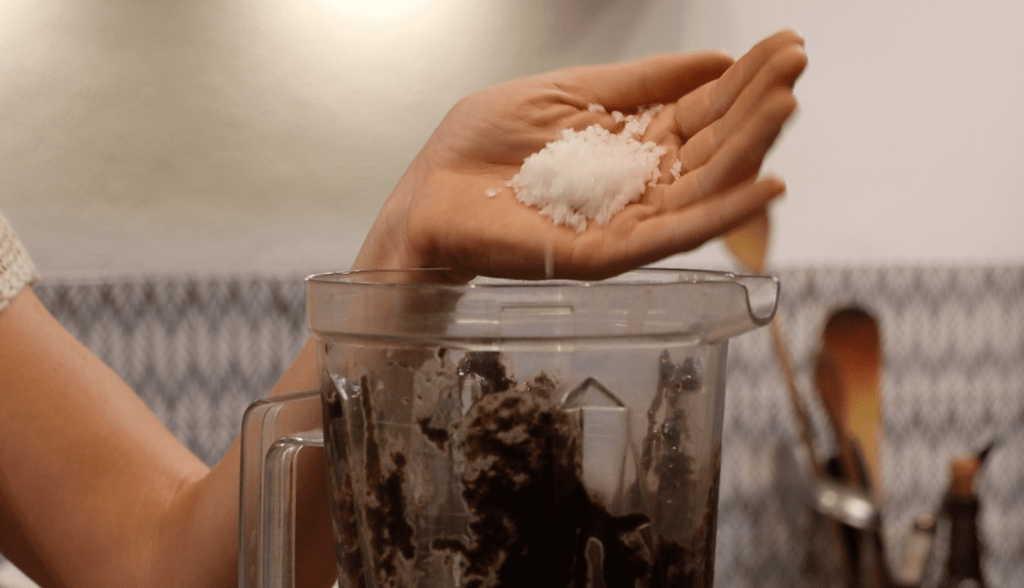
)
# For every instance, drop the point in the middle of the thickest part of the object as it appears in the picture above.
(198, 350)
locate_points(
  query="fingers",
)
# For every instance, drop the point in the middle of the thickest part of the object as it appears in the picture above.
(781, 71)
(667, 234)
(640, 236)
(652, 80)
(739, 158)
(708, 103)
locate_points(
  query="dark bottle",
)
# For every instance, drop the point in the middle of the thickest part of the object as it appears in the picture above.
(963, 566)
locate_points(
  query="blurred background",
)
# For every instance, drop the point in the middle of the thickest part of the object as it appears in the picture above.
(244, 143)
(215, 136)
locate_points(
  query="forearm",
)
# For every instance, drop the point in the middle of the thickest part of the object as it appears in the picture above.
(388, 245)
(205, 518)
(87, 469)
(95, 491)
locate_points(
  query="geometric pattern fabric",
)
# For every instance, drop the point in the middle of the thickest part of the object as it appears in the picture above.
(199, 349)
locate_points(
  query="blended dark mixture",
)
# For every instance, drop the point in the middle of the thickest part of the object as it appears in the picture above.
(391, 535)
(533, 524)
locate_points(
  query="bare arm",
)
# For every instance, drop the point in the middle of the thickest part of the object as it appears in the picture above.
(79, 451)
(94, 490)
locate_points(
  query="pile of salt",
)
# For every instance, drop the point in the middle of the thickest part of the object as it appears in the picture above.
(590, 174)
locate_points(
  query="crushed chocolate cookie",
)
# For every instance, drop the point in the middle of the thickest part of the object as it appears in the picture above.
(517, 456)
(390, 536)
(343, 508)
(533, 521)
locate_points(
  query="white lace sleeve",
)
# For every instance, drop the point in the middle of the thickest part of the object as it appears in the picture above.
(16, 268)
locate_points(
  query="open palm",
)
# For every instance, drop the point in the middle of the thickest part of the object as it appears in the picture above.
(719, 120)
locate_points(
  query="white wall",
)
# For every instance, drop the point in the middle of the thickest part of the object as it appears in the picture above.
(239, 135)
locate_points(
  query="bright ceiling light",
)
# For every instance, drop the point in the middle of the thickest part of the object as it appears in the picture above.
(373, 8)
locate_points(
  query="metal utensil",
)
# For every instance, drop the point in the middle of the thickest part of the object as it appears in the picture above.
(847, 505)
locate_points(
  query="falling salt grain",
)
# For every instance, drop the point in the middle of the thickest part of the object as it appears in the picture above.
(492, 192)
(677, 170)
(590, 174)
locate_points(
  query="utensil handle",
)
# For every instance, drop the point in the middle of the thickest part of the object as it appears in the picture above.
(274, 432)
(804, 428)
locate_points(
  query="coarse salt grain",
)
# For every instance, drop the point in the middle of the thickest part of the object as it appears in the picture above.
(590, 174)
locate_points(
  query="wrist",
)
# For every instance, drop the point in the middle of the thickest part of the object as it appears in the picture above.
(387, 245)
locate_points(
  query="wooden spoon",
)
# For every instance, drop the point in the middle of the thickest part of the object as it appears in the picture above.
(748, 243)
(832, 390)
(852, 338)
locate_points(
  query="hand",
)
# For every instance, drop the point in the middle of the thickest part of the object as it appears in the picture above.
(719, 120)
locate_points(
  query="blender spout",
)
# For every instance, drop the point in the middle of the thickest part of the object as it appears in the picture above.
(752, 304)
(762, 297)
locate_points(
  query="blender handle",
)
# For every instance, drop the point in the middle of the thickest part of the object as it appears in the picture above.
(274, 432)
